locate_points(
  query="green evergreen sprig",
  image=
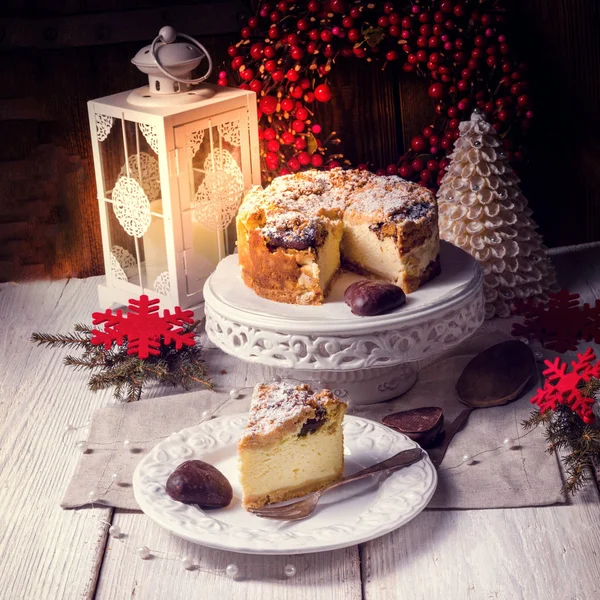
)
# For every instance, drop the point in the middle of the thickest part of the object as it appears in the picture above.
(566, 432)
(128, 375)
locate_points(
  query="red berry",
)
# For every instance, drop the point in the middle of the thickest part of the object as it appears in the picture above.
(432, 165)
(252, 22)
(405, 171)
(504, 115)
(287, 137)
(302, 114)
(314, 6)
(237, 62)
(422, 56)
(232, 51)
(453, 112)
(323, 93)
(316, 160)
(464, 104)
(326, 35)
(304, 158)
(418, 143)
(407, 22)
(354, 35)
(296, 92)
(395, 19)
(422, 41)
(388, 7)
(347, 22)
(273, 145)
(298, 126)
(436, 91)
(293, 164)
(355, 12)
(426, 175)
(434, 140)
(296, 53)
(270, 52)
(247, 74)
(275, 16)
(446, 6)
(287, 104)
(383, 21)
(333, 164)
(256, 86)
(380, 172)
(246, 32)
(395, 31)
(309, 96)
(459, 10)
(337, 6)
(418, 164)
(272, 161)
(257, 50)
(391, 170)
(391, 55)
(428, 131)
(292, 75)
(523, 100)
(316, 129)
(278, 76)
(268, 104)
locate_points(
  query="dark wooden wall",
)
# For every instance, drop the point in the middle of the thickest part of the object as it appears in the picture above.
(57, 54)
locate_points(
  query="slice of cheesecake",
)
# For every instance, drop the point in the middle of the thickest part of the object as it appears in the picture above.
(293, 443)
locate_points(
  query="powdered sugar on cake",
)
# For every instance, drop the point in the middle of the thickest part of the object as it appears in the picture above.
(283, 407)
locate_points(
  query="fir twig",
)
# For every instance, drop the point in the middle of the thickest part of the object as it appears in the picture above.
(53, 340)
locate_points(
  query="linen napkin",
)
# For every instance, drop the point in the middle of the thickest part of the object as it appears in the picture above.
(500, 478)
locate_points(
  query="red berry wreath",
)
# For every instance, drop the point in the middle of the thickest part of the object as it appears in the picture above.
(288, 49)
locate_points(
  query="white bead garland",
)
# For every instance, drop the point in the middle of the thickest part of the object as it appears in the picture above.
(82, 446)
(232, 571)
(128, 445)
(468, 459)
(115, 531)
(143, 552)
(289, 570)
(234, 393)
(93, 496)
(116, 478)
(206, 414)
(187, 563)
(509, 443)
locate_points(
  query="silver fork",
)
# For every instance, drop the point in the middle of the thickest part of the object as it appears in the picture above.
(303, 508)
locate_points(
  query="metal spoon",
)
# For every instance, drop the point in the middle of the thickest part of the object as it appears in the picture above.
(303, 508)
(494, 377)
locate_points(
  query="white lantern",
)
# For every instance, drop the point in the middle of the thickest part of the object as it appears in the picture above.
(172, 160)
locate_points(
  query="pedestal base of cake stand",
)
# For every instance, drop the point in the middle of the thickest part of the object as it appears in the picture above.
(365, 359)
(364, 386)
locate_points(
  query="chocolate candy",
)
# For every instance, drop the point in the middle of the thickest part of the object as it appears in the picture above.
(367, 298)
(423, 425)
(197, 482)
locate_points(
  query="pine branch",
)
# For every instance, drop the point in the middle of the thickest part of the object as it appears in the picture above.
(53, 340)
(83, 363)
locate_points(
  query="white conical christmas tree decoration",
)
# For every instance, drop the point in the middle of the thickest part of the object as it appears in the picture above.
(483, 211)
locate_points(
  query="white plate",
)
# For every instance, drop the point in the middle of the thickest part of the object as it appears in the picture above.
(350, 515)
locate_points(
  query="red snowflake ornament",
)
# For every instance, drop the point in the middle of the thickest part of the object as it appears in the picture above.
(561, 323)
(562, 387)
(143, 327)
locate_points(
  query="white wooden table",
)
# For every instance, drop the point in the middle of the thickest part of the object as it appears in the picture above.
(549, 553)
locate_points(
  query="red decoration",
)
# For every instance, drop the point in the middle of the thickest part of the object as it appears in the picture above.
(561, 323)
(143, 327)
(289, 49)
(561, 387)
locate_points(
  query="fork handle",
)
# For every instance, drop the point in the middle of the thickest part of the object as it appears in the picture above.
(398, 461)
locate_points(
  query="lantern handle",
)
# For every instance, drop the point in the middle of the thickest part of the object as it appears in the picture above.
(168, 35)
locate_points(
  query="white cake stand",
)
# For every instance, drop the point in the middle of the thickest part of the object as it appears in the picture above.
(363, 359)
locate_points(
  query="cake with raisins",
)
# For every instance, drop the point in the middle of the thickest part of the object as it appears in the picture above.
(294, 236)
(293, 443)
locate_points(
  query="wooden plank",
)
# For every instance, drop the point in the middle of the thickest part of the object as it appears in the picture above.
(417, 108)
(52, 553)
(123, 26)
(496, 554)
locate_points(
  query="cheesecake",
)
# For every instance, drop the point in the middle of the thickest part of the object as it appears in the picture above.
(292, 445)
(296, 235)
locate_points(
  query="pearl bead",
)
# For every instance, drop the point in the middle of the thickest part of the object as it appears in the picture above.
(187, 563)
(114, 531)
(468, 459)
(509, 443)
(538, 356)
(93, 496)
(232, 571)
(234, 393)
(206, 414)
(524, 340)
(85, 432)
(82, 446)
(289, 570)
(128, 445)
(116, 478)
(143, 552)
(69, 428)
(276, 379)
